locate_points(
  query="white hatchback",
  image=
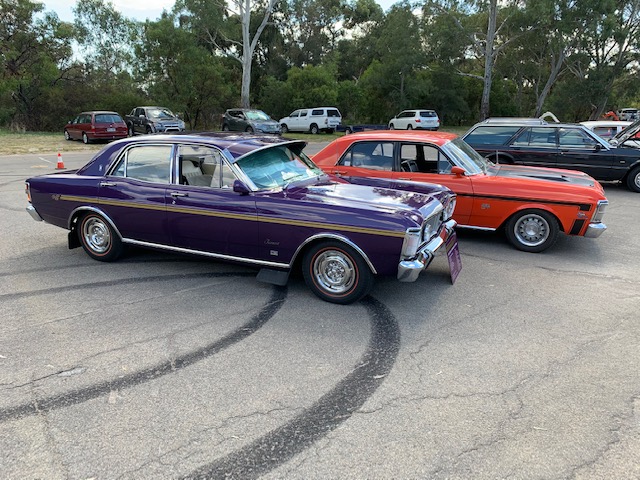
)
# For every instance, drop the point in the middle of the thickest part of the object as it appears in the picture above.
(415, 119)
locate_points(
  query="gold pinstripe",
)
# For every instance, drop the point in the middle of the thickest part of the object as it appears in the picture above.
(235, 216)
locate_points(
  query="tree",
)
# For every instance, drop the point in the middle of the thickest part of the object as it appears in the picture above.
(220, 34)
(105, 36)
(35, 54)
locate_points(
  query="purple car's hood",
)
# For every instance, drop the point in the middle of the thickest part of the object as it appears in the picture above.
(362, 196)
(542, 174)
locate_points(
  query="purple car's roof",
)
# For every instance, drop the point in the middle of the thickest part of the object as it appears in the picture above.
(237, 144)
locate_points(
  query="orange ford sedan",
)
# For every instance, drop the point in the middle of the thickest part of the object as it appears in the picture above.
(532, 204)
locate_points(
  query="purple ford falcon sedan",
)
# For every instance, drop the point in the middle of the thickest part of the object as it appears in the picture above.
(250, 199)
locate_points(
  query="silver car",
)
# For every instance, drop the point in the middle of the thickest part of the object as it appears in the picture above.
(415, 120)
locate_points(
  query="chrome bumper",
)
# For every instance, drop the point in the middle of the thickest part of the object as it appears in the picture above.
(32, 211)
(409, 270)
(594, 230)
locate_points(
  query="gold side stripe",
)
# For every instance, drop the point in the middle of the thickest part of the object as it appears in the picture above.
(236, 216)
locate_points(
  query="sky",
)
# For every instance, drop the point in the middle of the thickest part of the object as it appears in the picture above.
(136, 9)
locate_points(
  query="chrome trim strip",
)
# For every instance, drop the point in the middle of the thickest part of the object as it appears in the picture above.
(206, 254)
(333, 236)
(31, 210)
(485, 229)
(95, 210)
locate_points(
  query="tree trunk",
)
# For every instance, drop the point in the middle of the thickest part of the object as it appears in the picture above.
(556, 67)
(247, 53)
(489, 60)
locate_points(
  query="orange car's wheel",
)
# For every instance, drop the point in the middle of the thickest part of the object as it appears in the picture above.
(532, 230)
(335, 272)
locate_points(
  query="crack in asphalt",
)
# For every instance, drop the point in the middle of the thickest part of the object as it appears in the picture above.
(332, 409)
(81, 395)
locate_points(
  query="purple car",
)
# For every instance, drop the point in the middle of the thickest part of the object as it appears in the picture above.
(256, 200)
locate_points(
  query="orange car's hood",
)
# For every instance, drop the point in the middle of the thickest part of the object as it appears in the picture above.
(542, 174)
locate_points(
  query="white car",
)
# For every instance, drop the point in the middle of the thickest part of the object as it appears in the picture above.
(628, 114)
(313, 120)
(606, 128)
(415, 120)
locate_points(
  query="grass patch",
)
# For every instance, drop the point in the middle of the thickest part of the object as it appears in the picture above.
(39, 142)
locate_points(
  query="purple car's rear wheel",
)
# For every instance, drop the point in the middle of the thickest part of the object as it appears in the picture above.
(335, 272)
(98, 238)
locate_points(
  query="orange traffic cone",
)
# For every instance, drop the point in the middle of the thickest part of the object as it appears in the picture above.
(60, 165)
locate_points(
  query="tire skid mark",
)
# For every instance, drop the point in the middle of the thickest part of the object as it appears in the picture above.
(91, 263)
(280, 445)
(82, 395)
(122, 281)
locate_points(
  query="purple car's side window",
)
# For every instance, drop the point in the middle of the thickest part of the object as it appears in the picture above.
(149, 163)
(204, 167)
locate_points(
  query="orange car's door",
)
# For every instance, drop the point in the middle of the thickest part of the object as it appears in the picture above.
(419, 162)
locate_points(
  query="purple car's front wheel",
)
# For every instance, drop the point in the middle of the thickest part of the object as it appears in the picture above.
(335, 272)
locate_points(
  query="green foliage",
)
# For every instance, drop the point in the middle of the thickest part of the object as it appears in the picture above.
(576, 59)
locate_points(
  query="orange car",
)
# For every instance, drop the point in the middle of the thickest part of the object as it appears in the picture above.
(532, 204)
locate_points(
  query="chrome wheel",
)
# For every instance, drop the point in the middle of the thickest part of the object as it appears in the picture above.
(633, 180)
(85, 139)
(66, 135)
(531, 230)
(334, 271)
(96, 235)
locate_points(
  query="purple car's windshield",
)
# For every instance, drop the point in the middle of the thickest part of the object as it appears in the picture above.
(276, 167)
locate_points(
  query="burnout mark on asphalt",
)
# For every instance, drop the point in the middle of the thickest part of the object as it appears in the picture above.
(81, 395)
(122, 281)
(280, 445)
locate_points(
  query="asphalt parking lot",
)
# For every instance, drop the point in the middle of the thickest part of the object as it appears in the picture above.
(168, 366)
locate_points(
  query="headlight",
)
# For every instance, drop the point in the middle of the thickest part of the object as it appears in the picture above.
(430, 226)
(411, 243)
(448, 211)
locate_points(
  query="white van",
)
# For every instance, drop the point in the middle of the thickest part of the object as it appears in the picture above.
(312, 120)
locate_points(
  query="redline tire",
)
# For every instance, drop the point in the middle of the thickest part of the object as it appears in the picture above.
(98, 239)
(336, 273)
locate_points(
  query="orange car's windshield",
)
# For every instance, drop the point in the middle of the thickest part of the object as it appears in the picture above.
(466, 157)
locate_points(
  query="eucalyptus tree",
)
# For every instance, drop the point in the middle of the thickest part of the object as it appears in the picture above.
(35, 53)
(480, 31)
(608, 47)
(105, 36)
(311, 29)
(215, 21)
(182, 74)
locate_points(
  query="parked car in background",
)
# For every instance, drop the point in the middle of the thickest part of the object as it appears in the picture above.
(415, 120)
(250, 121)
(606, 129)
(153, 120)
(559, 145)
(628, 114)
(532, 205)
(97, 125)
(256, 200)
(313, 120)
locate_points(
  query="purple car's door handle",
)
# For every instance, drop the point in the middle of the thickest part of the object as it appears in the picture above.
(108, 184)
(179, 194)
